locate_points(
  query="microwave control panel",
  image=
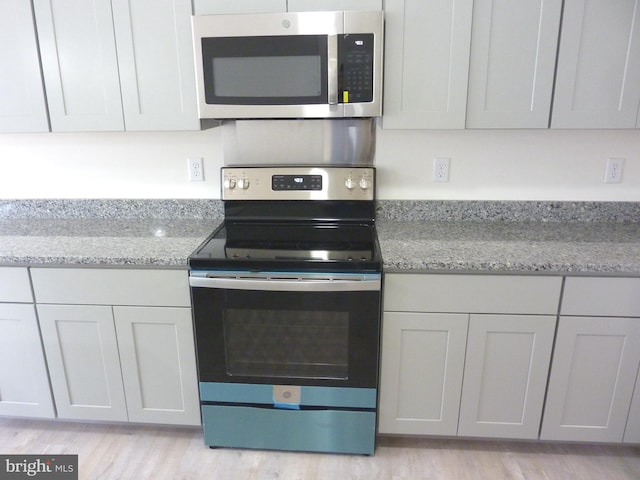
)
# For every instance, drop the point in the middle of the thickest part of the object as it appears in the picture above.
(355, 52)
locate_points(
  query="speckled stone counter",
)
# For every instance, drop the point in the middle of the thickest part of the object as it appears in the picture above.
(104, 232)
(415, 236)
(510, 237)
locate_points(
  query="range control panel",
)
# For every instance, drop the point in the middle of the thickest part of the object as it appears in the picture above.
(298, 183)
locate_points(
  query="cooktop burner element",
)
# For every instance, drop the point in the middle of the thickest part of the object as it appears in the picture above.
(294, 218)
(334, 243)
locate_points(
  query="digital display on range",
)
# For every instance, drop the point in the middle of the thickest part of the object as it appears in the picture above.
(296, 182)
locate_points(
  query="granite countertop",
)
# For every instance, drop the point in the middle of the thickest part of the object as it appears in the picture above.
(510, 247)
(105, 232)
(132, 242)
(420, 236)
(510, 237)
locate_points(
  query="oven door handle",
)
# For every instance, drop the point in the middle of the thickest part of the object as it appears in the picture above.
(287, 285)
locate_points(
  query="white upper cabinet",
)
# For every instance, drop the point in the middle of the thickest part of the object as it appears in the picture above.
(598, 76)
(524, 64)
(513, 56)
(22, 103)
(426, 63)
(79, 64)
(117, 65)
(333, 5)
(213, 7)
(156, 64)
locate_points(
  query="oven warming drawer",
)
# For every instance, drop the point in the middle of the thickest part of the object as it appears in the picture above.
(335, 431)
(321, 419)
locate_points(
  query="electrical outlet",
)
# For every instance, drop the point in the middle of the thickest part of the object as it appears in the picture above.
(441, 169)
(196, 171)
(613, 171)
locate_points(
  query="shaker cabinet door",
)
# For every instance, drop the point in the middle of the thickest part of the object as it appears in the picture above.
(593, 374)
(79, 63)
(24, 383)
(214, 7)
(22, 104)
(426, 63)
(513, 59)
(598, 74)
(158, 364)
(155, 59)
(421, 372)
(84, 365)
(505, 375)
(332, 5)
(632, 430)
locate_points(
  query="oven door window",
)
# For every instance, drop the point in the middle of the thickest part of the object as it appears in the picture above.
(270, 70)
(304, 338)
(287, 344)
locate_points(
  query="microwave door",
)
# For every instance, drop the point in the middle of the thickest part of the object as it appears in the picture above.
(268, 65)
(271, 77)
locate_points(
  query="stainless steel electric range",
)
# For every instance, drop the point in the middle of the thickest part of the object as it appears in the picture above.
(286, 307)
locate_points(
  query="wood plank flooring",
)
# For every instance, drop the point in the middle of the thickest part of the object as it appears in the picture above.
(161, 453)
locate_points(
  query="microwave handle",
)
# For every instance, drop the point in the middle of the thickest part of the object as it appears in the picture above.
(332, 70)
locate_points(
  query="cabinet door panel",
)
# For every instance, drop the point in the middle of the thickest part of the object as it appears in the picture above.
(598, 75)
(22, 103)
(15, 285)
(155, 58)
(158, 364)
(82, 353)
(632, 429)
(211, 7)
(513, 57)
(421, 373)
(115, 286)
(333, 5)
(24, 383)
(592, 379)
(505, 375)
(597, 296)
(79, 63)
(426, 63)
(526, 294)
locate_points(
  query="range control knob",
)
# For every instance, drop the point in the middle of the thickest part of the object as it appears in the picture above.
(349, 183)
(243, 183)
(230, 183)
(364, 183)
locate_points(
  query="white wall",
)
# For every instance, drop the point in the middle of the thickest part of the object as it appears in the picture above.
(508, 164)
(485, 165)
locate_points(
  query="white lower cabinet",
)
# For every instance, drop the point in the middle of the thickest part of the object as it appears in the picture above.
(84, 365)
(119, 360)
(472, 373)
(157, 355)
(632, 431)
(595, 362)
(24, 383)
(592, 379)
(505, 375)
(421, 373)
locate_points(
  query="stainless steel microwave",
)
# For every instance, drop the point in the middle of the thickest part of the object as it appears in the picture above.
(289, 65)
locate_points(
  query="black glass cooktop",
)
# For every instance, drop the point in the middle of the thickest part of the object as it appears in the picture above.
(290, 245)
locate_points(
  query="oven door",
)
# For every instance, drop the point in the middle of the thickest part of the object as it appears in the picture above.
(307, 329)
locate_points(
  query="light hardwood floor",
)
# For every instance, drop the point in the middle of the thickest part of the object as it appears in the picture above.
(141, 452)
